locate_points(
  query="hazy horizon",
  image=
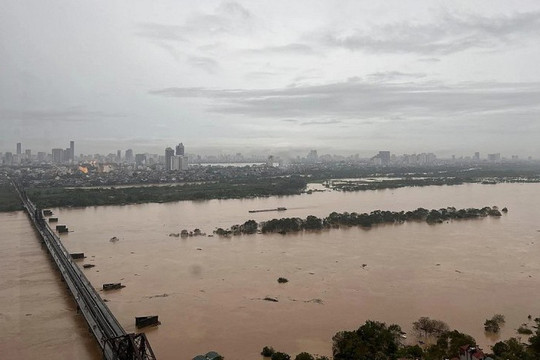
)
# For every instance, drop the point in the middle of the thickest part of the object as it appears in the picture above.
(271, 77)
(252, 151)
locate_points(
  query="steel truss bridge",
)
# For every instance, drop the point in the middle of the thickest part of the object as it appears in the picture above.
(115, 343)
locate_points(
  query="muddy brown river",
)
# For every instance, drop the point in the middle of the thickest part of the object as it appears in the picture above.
(209, 291)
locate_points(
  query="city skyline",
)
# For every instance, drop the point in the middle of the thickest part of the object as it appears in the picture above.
(451, 76)
(177, 159)
(253, 151)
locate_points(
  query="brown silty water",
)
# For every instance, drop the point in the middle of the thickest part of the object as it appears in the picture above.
(209, 291)
(38, 319)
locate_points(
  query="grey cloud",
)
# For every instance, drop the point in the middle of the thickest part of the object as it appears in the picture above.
(73, 114)
(198, 33)
(430, 60)
(207, 64)
(228, 18)
(449, 34)
(394, 75)
(234, 9)
(357, 99)
(174, 52)
(260, 74)
(294, 48)
(323, 122)
(161, 32)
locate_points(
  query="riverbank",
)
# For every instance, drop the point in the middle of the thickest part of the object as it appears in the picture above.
(77, 197)
(9, 200)
(121, 187)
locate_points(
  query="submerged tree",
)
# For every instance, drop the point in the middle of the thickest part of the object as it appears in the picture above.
(430, 327)
(494, 324)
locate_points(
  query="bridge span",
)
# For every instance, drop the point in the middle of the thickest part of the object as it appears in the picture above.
(115, 343)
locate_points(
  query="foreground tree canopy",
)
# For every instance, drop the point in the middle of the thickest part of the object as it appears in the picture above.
(377, 341)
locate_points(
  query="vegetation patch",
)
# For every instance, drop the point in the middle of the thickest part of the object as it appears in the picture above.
(365, 220)
(9, 199)
(267, 351)
(77, 197)
(376, 340)
(494, 324)
(524, 330)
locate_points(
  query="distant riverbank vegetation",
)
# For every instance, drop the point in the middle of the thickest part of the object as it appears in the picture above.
(9, 199)
(464, 173)
(365, 220)
(75, 197)
(391, 183)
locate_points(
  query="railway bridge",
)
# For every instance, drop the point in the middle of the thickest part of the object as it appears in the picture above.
(115, 343)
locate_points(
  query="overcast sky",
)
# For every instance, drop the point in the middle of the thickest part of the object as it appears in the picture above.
(450, 77)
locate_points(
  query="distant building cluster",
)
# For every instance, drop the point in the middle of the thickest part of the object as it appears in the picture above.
(385, 158)
(56, 156)
(312, 156)
(382, 158)
(173, 160)
(176, 160)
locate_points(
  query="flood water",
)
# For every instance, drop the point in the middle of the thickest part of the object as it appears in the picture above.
(208, 291)
(38, 319)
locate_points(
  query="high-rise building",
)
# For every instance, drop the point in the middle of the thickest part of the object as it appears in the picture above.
(431, 158)
(140, 159)
(180, 149)
(312, 156)
(19, 148)
(41, 156)
(129, 156)
(118, 155)
(169, 153)
(57, 155)
(72, 151)
(385, 157)
(476, 156)
(270, 161)
(179, 162)
(8, 158)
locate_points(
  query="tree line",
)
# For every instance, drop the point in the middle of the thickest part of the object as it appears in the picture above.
(365, 220)
(376, 340)
(75, 197)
